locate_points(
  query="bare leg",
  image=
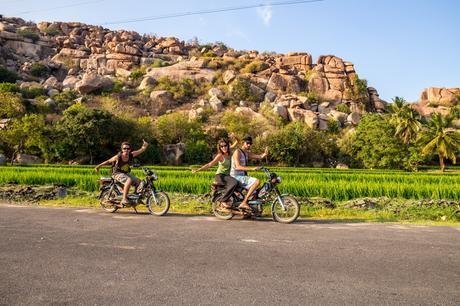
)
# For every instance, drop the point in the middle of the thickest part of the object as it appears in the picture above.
(126, 189)
(254, 186)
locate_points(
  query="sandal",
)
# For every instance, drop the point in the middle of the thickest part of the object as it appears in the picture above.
(226, 205)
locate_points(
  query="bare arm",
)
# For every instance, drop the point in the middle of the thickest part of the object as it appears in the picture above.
(236, 162)
(109, 161)
(142, 149)
(258, 156)
(235, 143)
(208, 165)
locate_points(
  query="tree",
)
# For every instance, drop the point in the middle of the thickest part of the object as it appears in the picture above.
(11, 105)
(406, 120)
(83, 132)
(296, 143)
(28, 134)
(441, 138)
(375, 145)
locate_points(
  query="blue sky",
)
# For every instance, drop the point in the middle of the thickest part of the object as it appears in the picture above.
(400, 47)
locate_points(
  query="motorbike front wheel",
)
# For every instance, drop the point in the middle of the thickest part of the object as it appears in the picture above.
(107, 198)
(221, 212)
(290, 214)
(158, 204)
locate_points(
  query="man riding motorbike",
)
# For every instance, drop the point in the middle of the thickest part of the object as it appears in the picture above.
(240, 167)
(121, 168)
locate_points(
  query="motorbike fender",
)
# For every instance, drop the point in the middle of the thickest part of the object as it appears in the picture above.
(103, 189)
(279, 198)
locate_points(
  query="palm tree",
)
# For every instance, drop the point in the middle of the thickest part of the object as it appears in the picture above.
(440, 137)
(406, 120)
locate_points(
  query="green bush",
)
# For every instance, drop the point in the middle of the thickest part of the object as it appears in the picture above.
(52, 31)
(39, 70)
(11, 105)
(7, 75)
(9, 87)
(241, 91)
(64, 99)
(138, 73)
(186, 88)
(210, 54)
(254, 67)
(343, 108)
(28, 33)
(157, 63)
(33, 92)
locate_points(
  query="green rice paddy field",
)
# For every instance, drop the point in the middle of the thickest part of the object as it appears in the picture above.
(333, 184)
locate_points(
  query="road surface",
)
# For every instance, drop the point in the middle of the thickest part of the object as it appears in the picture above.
(90, 257)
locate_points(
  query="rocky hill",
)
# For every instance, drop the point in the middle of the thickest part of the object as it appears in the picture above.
(60, 56)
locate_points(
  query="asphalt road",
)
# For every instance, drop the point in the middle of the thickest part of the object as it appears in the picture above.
(90, 257)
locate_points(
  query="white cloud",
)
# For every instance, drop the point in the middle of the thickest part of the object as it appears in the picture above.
(265, 13)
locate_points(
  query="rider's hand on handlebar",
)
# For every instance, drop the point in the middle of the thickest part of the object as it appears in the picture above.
(258, 168)
(96, 169)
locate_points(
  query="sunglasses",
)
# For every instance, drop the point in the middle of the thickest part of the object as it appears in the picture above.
(126, 149)
(249, 143)
(224, 146)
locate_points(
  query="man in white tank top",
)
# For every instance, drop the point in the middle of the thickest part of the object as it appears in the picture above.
(240, 166)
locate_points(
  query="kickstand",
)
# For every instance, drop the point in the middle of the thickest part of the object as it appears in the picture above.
(134, 207)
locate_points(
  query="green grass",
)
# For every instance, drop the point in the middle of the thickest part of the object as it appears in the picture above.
(336, 185)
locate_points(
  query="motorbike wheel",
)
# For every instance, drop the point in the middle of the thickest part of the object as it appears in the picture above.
(106, 198)
(160, 206)
(288, 216)
(220, 212)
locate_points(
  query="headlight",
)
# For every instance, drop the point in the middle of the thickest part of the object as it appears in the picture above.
(279, 179)
(153, 176)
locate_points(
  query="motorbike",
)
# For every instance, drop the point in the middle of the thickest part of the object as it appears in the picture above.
(284, 208)
(157, 202)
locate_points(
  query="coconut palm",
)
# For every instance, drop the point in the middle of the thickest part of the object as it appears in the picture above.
(406, 120)
(441, 138)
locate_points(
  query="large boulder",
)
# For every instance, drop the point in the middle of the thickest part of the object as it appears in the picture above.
(283, 82)
(161, 101)
(146, 83)
(69, 82)
(216, 104)
(174, 152)
(2, 159)
(27, 159)
(93, 82)
(303, 115)
(440, 96)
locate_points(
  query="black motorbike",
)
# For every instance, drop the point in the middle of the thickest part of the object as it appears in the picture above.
(284, 208)
(157, 202)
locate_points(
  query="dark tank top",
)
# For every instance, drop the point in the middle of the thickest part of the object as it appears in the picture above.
(121, 166)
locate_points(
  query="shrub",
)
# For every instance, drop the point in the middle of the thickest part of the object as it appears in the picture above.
(186, 88)
(7, 75)
(254, 67)
(138, 73)
(210, 54)
(343, 108)
(28, 33)
(39, 70)
(64, 99)
(11, 105)
(9, 87)
(175, 127)
(52, 31)
(33, 92)
(241, 90)
(159, 63)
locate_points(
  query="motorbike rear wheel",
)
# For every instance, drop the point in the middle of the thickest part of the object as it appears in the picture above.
(221, 212)
(158, 206)
(292, 212)
(106, 199)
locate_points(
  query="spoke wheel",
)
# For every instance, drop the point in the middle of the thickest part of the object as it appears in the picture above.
(220, 211)
(290, 215)
(107, 200)
(159, 205)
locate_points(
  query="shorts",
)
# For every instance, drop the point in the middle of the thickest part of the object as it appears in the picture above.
(246, 181)
(123, 177)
